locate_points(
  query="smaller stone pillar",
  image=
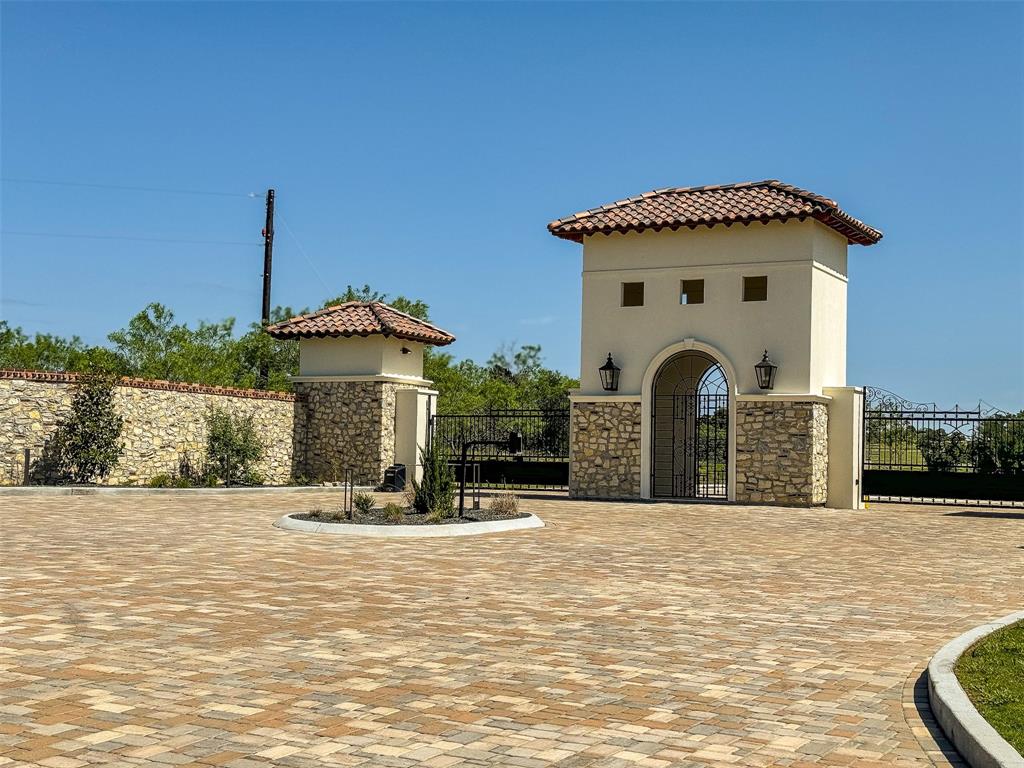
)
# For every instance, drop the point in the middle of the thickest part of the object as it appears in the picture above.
(361, 382)
(782, 450)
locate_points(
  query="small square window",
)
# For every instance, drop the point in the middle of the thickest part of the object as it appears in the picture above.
(632, 294)
(691, 291)
(755, 288)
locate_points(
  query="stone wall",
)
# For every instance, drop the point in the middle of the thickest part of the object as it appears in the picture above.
(605, 450)
(349, 425)
(163, 425)
(781, 452)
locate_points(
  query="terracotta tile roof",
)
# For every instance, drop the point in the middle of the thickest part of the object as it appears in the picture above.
(727, 204)
(360, 318)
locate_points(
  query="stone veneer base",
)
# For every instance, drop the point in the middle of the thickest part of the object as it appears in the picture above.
(782, 452)
(978, 742)
(605, 450)
(289, 523)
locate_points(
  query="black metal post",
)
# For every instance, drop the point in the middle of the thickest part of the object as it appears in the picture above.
(268, 258)
(28, 465)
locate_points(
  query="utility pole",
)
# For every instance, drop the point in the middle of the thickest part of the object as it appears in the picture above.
(268, 257)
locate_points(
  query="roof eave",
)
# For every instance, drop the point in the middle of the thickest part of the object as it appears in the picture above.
(854, 234)
(287, 335)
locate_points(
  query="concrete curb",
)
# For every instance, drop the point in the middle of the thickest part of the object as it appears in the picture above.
(977, 741)
(289, 523)
(55, 490)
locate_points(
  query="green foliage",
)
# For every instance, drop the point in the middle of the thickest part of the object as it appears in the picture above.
(393, 512)
(434, 495)
(510, 380)
(992, 674)
(413, 307)
(154, 345)
(999, 445)
(87, 443)
(232, 448)
(942, 451)
(363, 502)
(166, 480)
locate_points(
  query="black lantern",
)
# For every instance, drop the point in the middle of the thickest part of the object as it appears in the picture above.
(765, 371)
(609, 375)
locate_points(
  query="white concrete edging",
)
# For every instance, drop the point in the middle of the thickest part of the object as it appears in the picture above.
(977, 741)
(289, 523)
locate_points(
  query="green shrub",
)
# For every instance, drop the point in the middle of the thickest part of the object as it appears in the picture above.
(999, 445)
(363, 502)
(434, 495)
(942, 451)
(232, 448)
(87, 443)
(394, 512)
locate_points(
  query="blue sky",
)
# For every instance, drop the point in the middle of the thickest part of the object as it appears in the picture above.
(423, 149)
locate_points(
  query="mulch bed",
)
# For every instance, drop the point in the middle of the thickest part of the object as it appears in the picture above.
(377, 517)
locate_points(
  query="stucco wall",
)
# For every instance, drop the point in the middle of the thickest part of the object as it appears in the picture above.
(359, 356)
(793, 255)
(164, 424)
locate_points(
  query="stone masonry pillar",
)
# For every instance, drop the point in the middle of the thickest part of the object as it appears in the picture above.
(604, 450)
(782, 452)
(348, 425)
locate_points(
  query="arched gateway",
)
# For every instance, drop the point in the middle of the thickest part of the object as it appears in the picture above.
(690, 428)
(685, 291)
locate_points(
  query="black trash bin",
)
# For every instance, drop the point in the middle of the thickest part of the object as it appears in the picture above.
(394, 478)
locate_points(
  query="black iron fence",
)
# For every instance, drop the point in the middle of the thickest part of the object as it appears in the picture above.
(918, 452)
(543, 463)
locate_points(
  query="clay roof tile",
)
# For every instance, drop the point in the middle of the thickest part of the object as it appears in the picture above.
(360, 318)
(746, 202)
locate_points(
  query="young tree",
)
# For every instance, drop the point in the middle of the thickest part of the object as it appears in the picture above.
(87, 443)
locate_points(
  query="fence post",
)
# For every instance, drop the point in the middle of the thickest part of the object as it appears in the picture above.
(28, 466)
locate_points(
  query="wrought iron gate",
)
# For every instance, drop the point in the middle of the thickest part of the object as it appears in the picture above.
(690, 428)
(544, 462)
(917, 452)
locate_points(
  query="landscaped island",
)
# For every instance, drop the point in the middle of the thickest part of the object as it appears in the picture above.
(992, 674)
(364, 511)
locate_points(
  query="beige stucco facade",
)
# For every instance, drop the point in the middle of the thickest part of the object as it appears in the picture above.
(361, 356)
(375, 405)
(802, 324)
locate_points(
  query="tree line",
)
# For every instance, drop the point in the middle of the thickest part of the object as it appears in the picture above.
(154, 345)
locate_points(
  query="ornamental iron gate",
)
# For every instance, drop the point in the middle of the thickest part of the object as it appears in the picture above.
(916, 452)
(690, 428)
(543, 463)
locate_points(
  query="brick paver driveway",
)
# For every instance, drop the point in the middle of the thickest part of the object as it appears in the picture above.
(187, 630)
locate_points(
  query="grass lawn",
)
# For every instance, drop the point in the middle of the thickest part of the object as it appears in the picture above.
(992, 674)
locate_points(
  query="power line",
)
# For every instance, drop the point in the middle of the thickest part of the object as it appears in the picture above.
(126, 237)
(125, 188)
(302, 251)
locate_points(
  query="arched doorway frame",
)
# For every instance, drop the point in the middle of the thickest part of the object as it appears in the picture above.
(647, 407)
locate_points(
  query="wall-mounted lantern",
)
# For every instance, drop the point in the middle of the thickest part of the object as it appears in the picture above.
(609, 375)
(765, 371)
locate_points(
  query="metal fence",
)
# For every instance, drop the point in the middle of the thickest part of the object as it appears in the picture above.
(543, 463)
(919, 452)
